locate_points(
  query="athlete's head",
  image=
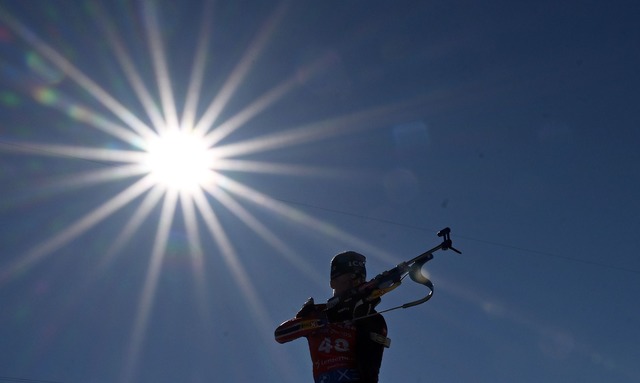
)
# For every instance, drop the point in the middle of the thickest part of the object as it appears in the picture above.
(349, 262)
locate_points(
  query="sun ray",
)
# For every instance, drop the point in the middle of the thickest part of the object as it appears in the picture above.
(337, 126)
(76, 229)
(230, 257)
(278, 168)
(196, 255)
(54, 98)
(297, 215)
(160, 66)
(150, 200)
(239, 73)
(215, 228)
(93, 177)
(130, 70)
(197, 72)
(82, 152)
(263, 102)
(265, 233)
(98, 176)
(150, 286)
(49, 186)
(258, 309)
(226, 247)
(241, 118)
(78, 76)
(82, 113)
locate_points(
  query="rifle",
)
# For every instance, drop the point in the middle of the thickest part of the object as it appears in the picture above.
(343, 307)
(387, 281)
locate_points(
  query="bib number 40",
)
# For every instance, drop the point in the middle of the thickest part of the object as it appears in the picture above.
(340, 345)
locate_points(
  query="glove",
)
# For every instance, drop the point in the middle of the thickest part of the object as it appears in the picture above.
(352, 309)
(307, 309)
(363, 308)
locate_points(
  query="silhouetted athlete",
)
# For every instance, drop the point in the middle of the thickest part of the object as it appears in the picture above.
(343, 348)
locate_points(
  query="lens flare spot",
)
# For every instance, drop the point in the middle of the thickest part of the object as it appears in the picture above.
(45, 71)
(9, 99)
(45, 96)
(5, 35)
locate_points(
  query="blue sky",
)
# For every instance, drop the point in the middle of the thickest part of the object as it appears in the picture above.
(336, 125)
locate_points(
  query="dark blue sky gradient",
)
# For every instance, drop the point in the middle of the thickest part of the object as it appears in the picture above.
(514, 123)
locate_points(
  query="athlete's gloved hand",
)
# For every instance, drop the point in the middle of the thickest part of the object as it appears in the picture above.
(363, 308)
(307, 309)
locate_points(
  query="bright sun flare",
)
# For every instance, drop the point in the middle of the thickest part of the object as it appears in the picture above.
(179, 160)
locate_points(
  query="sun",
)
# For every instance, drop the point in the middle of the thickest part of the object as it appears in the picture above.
(179, 160)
